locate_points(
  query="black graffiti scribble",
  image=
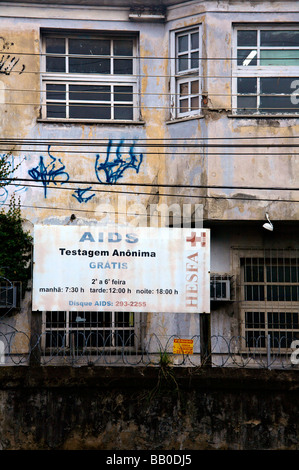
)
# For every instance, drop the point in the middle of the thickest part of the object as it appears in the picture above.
(8, 64)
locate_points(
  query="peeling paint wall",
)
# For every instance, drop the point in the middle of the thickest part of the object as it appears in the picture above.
(20, 99)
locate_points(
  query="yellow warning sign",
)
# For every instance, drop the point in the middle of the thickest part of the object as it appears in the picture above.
(182, 346)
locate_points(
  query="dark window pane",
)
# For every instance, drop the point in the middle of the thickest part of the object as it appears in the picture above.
(89, 46)
(123, 93)
(194, 41)
(194, 60)
(105, 319)
(55, 319)
(55, 45)
(183, 63)
(247, 38)
(123, 66)
(123, 47)
(280, 38)
(55, 64)
(96, 111)
(255, 339)
(277, 104)
(247, 57)
(56, 110)
(246, 105)
(89, 65)
(253, 272)
(254, 292)
(247, 85)
(281, 339)
(184, 106)
(254, 319)
(124, 338)
(183, 43)
(55, 92)
(124, 319)
(90, 93)
(123, 112)
(278, 85)
(55, 339)
(194, 103)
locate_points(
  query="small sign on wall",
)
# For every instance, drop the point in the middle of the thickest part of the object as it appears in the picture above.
(182, 346)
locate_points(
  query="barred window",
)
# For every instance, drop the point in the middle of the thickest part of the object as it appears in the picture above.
(270, 300)
(78, 332)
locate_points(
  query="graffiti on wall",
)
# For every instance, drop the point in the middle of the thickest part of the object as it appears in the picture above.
(109, 171)
(51, 173)
(80, 195)
(115, 164)
(8, 61)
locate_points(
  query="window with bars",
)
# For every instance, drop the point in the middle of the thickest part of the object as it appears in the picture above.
(75, 332)
(270, 301)
(265, 70)
(89, 78)
(186, 85)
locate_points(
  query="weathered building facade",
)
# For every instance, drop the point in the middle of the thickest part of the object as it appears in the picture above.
(130, 112)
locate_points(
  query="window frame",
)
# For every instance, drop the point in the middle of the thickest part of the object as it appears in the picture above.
(265, 306)
(93, 79)
(186, 75)
(261, 71)
(67, 329)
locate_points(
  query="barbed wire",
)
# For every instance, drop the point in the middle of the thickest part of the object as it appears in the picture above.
(21, 348)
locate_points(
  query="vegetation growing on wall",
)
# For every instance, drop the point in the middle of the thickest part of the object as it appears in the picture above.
(15, 245)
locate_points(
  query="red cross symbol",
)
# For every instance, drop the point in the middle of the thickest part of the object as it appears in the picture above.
(194, 239)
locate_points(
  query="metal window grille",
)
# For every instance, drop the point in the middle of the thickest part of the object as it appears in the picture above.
(269, 293)
(78, 332)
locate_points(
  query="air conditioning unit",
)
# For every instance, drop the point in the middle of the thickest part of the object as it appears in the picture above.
(8, 297)
(220, 290)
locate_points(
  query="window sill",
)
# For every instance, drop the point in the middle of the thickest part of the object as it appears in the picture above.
(92, 121)
(186, 118)
(264, 116)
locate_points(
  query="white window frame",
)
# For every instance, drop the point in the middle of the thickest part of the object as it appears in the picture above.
(90, 78)
(259, 71)
(186, 76)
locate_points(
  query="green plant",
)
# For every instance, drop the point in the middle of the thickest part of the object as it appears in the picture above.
(15, 245)
(7, 168)
(166, 377)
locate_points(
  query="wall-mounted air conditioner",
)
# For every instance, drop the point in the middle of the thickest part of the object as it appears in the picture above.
(220, 289)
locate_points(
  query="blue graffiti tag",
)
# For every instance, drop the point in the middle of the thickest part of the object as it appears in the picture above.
(48, 174)
(115, 165)
(79, 193)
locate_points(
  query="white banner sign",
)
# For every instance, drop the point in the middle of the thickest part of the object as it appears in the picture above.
(88, 268)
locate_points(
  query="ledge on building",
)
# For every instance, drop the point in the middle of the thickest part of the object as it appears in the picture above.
(187, 118)
(92, 121)
(264, 116)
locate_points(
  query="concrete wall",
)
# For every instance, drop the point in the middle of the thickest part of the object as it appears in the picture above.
(21, 25)
(134, 409)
